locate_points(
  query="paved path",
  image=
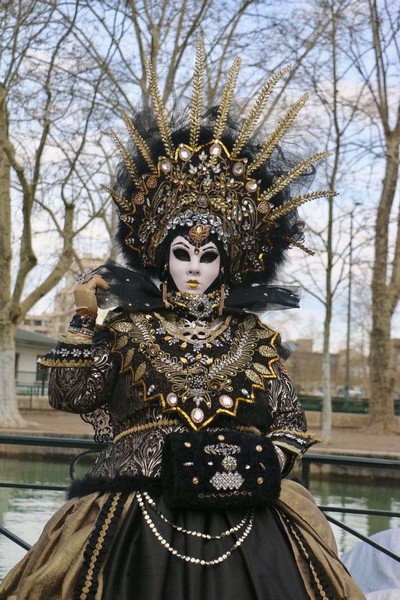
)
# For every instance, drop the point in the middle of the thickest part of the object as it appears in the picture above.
(344, 441)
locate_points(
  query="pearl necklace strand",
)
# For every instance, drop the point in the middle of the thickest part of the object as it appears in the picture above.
(205, 536)
(249, 519)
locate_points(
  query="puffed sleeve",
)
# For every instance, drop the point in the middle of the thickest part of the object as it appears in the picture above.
(288, 427)
(83, 376)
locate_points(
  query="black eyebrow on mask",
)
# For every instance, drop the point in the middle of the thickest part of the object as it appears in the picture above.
(187, 246)
(212, 248)
(181, 244)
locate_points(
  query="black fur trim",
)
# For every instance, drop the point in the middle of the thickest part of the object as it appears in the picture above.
(124, 484)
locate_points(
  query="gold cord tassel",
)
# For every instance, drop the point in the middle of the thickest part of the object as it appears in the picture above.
(222, 304)
(164, 288)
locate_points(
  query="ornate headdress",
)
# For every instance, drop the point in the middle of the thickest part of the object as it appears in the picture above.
(205, 180)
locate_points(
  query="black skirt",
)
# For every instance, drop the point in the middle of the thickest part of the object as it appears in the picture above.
(139, 567)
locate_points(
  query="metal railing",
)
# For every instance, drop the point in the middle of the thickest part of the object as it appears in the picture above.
(30, 383)
(351, 461)
(342, 405)
(89, 446)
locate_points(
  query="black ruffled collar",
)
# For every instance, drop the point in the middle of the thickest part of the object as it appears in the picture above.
(136, 290)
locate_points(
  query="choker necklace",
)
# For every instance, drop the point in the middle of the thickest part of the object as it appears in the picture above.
(195, 306)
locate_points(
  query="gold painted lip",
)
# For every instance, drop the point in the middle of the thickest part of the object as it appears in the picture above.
(192, 283)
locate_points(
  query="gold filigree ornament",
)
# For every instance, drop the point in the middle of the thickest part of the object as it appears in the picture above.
(197, 391)
(209, 187)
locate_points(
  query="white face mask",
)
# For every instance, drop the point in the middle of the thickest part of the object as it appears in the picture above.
(193, 273)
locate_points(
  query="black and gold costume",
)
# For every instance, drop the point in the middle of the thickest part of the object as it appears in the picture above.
(98, 545)
(202, 366)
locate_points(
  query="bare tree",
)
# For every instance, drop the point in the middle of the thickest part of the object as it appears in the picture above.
(63, 59)
(43, 154)
(376, 54)
(325, 71)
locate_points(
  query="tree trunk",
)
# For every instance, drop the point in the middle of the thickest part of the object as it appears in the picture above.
(326, 378)
(9, 414)
(382, 377)
(384, 300)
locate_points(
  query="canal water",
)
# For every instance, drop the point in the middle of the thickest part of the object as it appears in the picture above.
(25, 512)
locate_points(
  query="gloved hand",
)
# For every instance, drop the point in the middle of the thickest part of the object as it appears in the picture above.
(85, 294)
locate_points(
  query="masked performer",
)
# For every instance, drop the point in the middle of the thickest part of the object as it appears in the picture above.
(190, 497)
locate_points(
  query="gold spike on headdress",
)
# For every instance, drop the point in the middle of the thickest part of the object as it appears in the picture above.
(160, 110)
(257, 109)
(128, 160)
(285, 209)
(118, 199)
(226, 99)
(139, 142)
(277, 135)
(197, 96)
(301, 246)
(286, 179)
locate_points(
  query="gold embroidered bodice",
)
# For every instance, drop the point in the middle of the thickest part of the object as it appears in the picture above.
(198, 370)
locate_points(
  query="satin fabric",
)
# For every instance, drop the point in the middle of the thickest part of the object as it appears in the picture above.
(262, 568)
(264, 561)
(50, 569)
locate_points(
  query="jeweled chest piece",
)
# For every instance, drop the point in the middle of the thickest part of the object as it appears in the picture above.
(200, 307)
(195, 306)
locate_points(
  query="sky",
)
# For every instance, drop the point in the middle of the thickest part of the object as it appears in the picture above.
(358, 183)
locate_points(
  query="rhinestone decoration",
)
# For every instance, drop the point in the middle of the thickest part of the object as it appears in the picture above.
(138, 198)
(245, 393)
(222, 448)
(215, 149)
(197, 415)
(166, 165)
(152, 388)
(200, 306)
(184, 153)
(251, 186)
(172, 399)
(202, 201)
(227, 481)
(226, 401)
(238, 168)
(152, 182)
(229, 463)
